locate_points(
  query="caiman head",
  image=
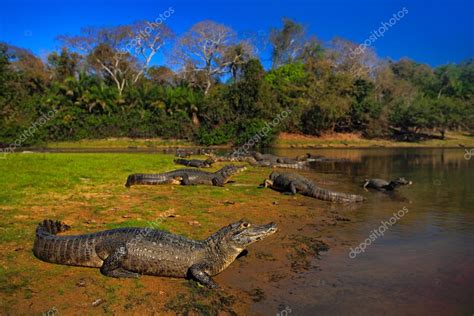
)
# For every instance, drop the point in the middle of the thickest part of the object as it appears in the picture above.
(228, 242)
(271, 178)
(210, 161)
(226, 172)
(269, 182)
(400, 181)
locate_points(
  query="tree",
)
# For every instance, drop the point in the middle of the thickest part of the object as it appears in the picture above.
(251, 96)
(288, 42)
(420, 76)
(122, 53)
(446, 113)
(211, 49)
(161, 75)
(349, 57)
(63, 65)
(30, 69)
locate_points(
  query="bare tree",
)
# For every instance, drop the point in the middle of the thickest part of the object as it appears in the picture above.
(212, 49)
(150, 39)
(122, 53)
(349, 57)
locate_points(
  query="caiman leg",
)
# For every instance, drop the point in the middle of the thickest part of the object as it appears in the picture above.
(292, 190)
(217, 182)
(197, 272)
(112, 266)
(185, 180)
(268, 183)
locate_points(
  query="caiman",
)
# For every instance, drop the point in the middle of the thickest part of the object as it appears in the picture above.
(272, 158)
(266, 163)
(292, 183)
(131, 252)
(187, 177)
(186, 152)
(383, 185)
(318, 158)
(273, 162)
(196, 162)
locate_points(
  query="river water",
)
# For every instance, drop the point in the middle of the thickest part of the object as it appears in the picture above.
(423, 264)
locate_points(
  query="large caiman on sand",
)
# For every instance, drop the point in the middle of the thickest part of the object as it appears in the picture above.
(130, 252)
(186, 177)
(292, 183)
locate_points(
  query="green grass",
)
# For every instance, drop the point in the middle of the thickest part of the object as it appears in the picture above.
(86, 190)
(29, 174)
(453, 139)
(121, 143)
(87, 186)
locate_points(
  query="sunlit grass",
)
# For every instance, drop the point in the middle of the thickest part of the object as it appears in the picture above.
(120, 143)
(453, 139)
(36, 186)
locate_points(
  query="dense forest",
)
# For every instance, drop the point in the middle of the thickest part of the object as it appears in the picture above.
(213, 87)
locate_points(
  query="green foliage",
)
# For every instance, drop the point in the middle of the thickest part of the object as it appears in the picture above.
(256, 133)
(63, 65)
(317, 85)
(216, 136)
(289, 74)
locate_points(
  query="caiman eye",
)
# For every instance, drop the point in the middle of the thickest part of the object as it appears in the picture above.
(245, 225)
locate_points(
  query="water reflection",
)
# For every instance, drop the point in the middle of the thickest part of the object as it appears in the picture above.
(424, 264)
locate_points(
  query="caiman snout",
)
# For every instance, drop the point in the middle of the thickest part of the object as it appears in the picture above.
(243, 233)
(256, 233)
(267, 230)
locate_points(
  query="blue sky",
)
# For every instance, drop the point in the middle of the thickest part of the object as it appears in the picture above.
(433, 32)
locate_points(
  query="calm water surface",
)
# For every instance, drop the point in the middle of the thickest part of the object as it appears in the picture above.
(423, 265)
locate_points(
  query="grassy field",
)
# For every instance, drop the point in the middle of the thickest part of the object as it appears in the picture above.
(121, 143)
(87, 192)
(284, 140)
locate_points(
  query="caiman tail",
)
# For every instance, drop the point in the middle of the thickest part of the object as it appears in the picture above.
(295, 165)
(69, 250)
(333, 196)
(142, 178)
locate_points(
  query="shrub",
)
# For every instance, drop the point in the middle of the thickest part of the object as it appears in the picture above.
(217, 136)
(255, 132)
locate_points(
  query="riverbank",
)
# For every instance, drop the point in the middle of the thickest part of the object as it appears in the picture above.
(284, 140)
(87, 192)
(287, 271)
